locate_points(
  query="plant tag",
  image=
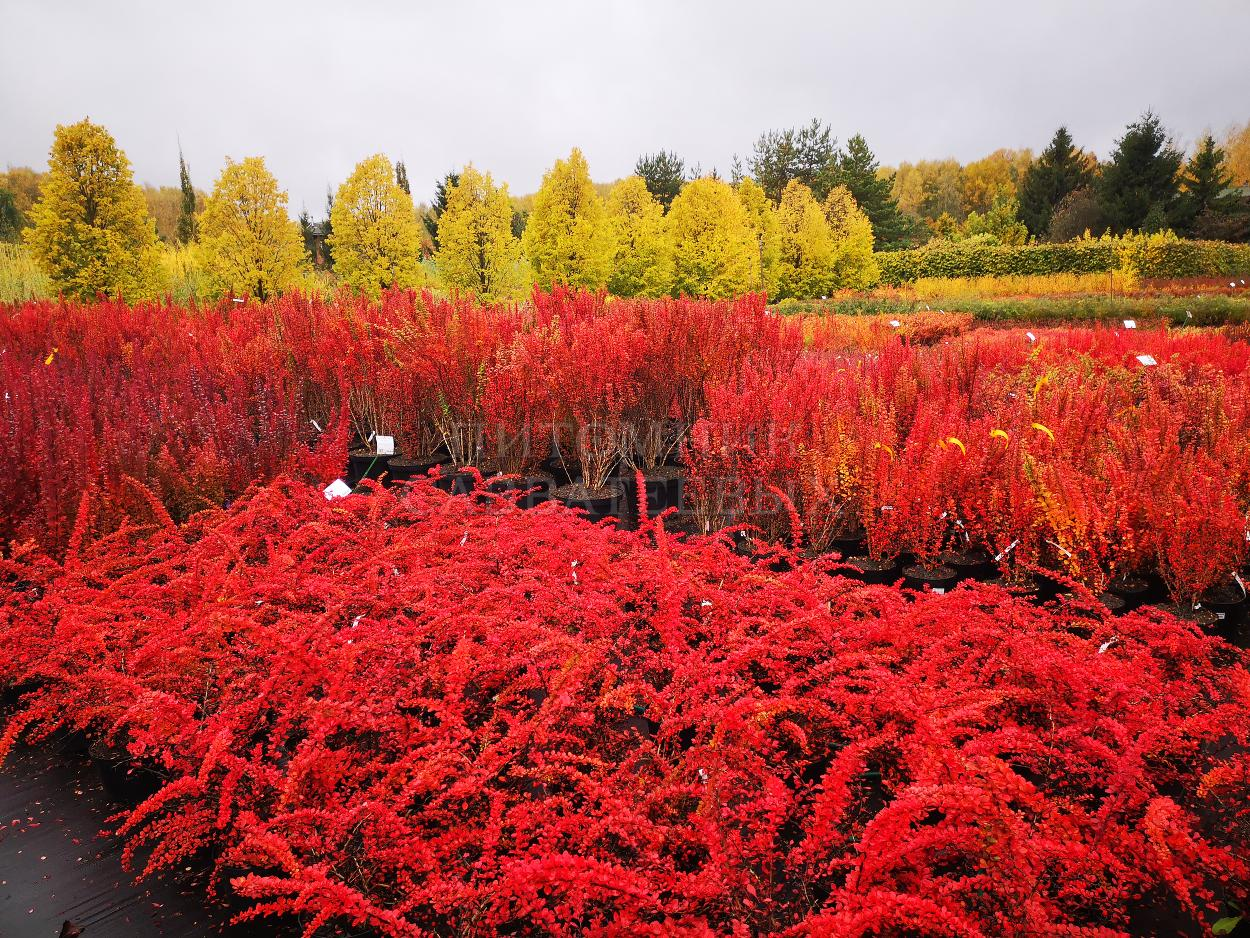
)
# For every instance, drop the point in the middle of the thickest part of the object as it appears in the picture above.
(236, 300)
(1006, 550)
(939, 590)
(337, 489)
(385, 446)
(1221, 616)
(316, 426)
(895, 323)
(1032, 337)
(1147, 360)
(372, 434)
(1188, 314)
(1102, 649)
(1130, 324)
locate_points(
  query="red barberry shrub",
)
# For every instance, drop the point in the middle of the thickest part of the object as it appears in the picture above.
(426, 713)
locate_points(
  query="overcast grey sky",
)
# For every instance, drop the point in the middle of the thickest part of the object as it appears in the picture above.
(315, 86)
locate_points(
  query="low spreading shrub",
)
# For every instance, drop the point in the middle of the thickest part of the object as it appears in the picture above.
(432, 714)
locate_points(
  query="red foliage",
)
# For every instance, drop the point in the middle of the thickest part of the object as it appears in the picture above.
(426, 714)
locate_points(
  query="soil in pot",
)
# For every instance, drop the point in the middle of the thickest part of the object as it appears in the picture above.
(1116, 605)
(598, 504)
(403, 468)
(868, 570)
(1025, 585)
(1198, 614)
(937, 578)
(974, 563)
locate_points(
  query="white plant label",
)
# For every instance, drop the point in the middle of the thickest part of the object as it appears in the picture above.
(1130, 324)
(1032, 337)
(337, 489)
(895, 323)
(372, 434)
(385, 446)
(1006, 550)
(1147, 360)
(939, 590)
(316, 426)
(1102, 649)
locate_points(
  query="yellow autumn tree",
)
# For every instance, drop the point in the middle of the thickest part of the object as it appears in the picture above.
(715, 254)
(642, 263)
(567, 238)
(248, 242)
(477, 251)
(762, 218)
(805, 264)
(1237, 153)
(993, 178)
(91, 229)
(855, 267)
(375, 239)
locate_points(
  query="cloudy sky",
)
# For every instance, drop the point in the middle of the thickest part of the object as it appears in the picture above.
(315, 86)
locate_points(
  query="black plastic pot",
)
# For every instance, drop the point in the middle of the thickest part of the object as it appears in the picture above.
(1230, 606)
(555, 467)
(597, 506)
(664, 487)
(971, 564)
(937, 578)
(867, 570)
(457, 483)
(404, 468)
(850, 544)
(365, 464)
(1135, 591)
(541, 485)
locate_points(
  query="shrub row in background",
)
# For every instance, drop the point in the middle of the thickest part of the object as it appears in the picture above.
(1154, 256)
(847, 415)
(1176, 311)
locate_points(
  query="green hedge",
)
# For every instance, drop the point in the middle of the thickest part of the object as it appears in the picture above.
(1149, 256)
(1043, 310)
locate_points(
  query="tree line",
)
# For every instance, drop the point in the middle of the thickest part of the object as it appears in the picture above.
(802, 219)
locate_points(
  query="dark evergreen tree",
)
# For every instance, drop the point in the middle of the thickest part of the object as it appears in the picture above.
(1203, 180)
(1140, 175)
(1060, 170)
(439, 205)
(10, 217)
(401, 177)
(856, 168)
(186, 213)
(327, 229)
(664, 173)
(808, 154)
